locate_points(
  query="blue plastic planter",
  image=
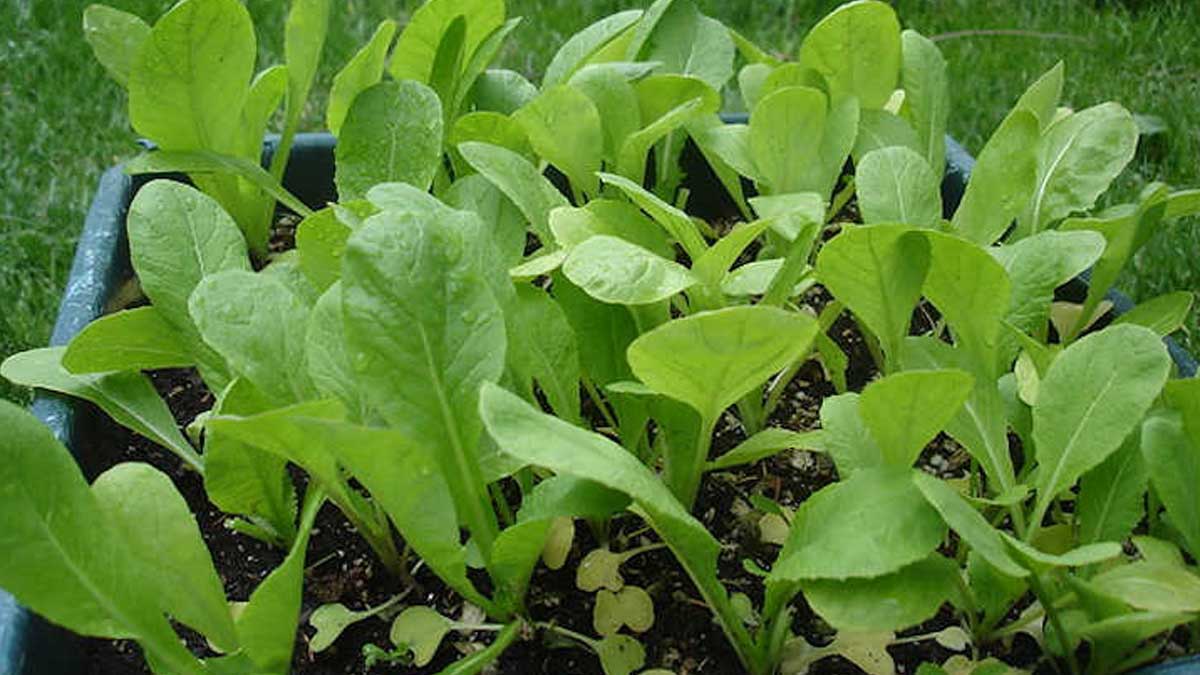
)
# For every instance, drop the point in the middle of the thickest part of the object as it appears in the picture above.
(31, 646)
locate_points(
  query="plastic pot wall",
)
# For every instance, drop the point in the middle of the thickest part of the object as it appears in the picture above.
(30, 645)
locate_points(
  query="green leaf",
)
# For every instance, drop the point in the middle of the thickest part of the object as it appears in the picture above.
(448, 61)
(738, 347)
(267, 625)
(1036, 266)
(490, 127)
(172, 562)
(872, 524)
(1163, 315)
(1078, 157)
(1173, 463)
(364, 70)
(1093, 396)
(615, 99)
(330, 363)
(1038, 561)
(502, 91)
(1042, 97)
(631, 606)
(904, 411)
(506, 222)
(845, 436)
(417, 301)
(267, 91)
(856, 49)
(543, 351)
(790, 214)
(417, 47)
(879, 129)
(896, 185)
(567, 496)
(580, 47)
(891, 602)
(794, 122)
(1003, 178)
(620, 655)
(600, 568)
(63, 558)
(242, 479)
(994, 591)
(985, 540)
(178, 236)
(321, 242)
(972, 291)
(676, 223)
(573, 226)
(134, 339)
(191, 76)
(1153, 587)
(896, 258)
(127, 397)
(392, 133)
(685, 42)
(542, 440)
(615, 271)
(420, 629)
(1111, 496)
(259, 327)
(115, 37)
(926, 95)
(303, 40)
(513, 558)
(766, 443)
(631, 161)
(604, 332)
(563, 126)
(520, 181)
(477, 63)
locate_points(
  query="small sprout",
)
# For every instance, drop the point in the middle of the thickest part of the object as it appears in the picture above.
(374, 655)
(620, 655)
(330, 621)
(631, 606)
(773, 529)
(745, 609)
(420, 629)
(600, 569)
(953, 638)
(558, 542)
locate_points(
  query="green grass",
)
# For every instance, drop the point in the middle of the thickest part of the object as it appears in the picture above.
(62, 121)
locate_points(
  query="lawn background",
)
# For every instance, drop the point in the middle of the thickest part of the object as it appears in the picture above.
(62, 122)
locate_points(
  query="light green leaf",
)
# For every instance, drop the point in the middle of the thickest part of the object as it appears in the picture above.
(303, 40)
(615, 99)
(1041, 98)
(134, 339)
(631, 160)
(631, 606)
(520, 181)
(542, 440)
(845, 436)
(790, 123)
(127, 397)
(490, 127)
(364, 70)
(417, 301)
(872, 524)
(513, 557)
(676, 223)
(1002, 180)
(393, 132)
(172, 562)
(580, 47)
(891, 602)
(573, 226)
(1163, 315)
(974, 529)
(563, 127)
(420, 629)
(321, 243)
(1093, 396)
(896, 185)
(615, 271)
(604, 332)
(1078, 157)
(881, 129)
(856, 49)
(620, 655)
(477, 63)
(191, 76)
(1111, 496)
(543, 351)
(63, 559)
(115, 37)
(1038, 561)
(178, 236)
(685, 42)
(259, 327)
(267, 625)
(972, 291)
(790, 214)
(926, 95)
(895, 258)
(330, 364)
(1173, 463)
(267, 91)
(600, 568)
(764, 444)
(904, 411)
(506, 223)
(417, 47)
(502, 91)
(1153, 587)
(737, 349)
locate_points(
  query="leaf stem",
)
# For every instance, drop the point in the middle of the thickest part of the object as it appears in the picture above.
(1039, 590)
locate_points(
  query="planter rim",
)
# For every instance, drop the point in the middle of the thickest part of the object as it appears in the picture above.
(31, 646)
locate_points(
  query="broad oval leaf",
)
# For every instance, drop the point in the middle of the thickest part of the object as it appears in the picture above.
(1093, 396)
(969, 524)
(856, 49)
(416, 50)
(364, 70)
(972, 291)
(786, 125)
(520, 181)
(563, 127)
(712, 359)
(580, 47)
(133, 339)
(115, 37)
(1153, 587)
(896, 185)
(392, 133)
(926, 95)
(615, 271)
(870, 525)
(1002, 180)
(891, 602)
(904, 411)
